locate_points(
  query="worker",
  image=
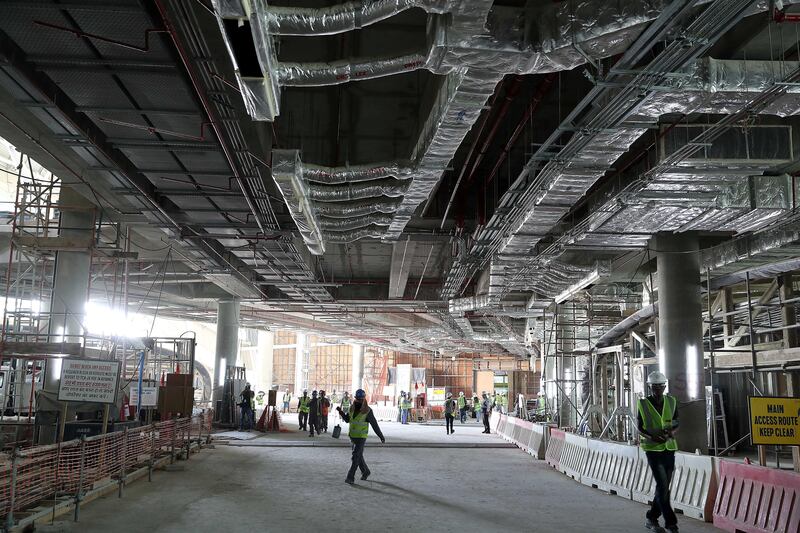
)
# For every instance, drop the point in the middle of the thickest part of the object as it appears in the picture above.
(313, 414)
(449, 413)
(405, 405)
(287, 398)
(401, 401)
(324, 406)
(302, 410)
(462, 407)
(260, 399)
(334, 398)
(486, 411)
(345, 402)
(657, 421)
(504, 403)
(541, 406)
(246, 405)
(476, 407)
(360, 419)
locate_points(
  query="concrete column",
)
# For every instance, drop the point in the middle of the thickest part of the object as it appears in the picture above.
(265, 358)
(227, 341)
(358, 367)
(680, 352)
(71, 278)
(300, 370)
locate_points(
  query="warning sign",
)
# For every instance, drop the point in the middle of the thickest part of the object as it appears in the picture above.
(149, 395)
(88, 380)
(775, 421)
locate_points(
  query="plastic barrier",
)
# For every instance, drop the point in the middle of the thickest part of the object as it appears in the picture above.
(523, 439)
(385, 412)
(693, 484)
(538, 443)
(573, 458)
(611, 466)
(555, 447)
(757, 499)
(497, 422)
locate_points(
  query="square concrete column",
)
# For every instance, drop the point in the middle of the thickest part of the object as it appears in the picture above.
(227, 341)
(680, 352)
(358, 367)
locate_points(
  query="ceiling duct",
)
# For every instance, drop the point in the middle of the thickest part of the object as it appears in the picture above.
(357, 191)
(332, 224)
(356, 209)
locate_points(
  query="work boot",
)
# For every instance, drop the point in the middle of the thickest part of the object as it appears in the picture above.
(350, 481)
(653, 525)
(365, 476)
(672, 529)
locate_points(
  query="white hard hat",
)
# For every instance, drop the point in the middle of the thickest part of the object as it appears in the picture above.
(461, 393)
(656, 378)
(449, 394)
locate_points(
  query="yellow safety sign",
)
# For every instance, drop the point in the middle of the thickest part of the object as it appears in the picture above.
(774, 420)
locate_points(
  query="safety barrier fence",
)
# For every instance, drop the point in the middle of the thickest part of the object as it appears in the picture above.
(70, 469)
(747, 498)
(755, 499)
(385, 412)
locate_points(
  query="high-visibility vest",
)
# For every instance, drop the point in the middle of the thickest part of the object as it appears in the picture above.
(476, 404)
(359, 427)
(345, 404)
(287, 398)
(462, 402)
(654, 422)
(303, 405)
(406, 404)
(504, 401)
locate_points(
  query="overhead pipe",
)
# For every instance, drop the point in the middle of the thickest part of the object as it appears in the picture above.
(355, 209)
(347, 224)
(355, 173)
(357, 191)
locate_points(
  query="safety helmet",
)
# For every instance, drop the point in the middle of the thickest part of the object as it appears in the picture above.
(461, 393)
(656, 378)
(322, 392)
(247, 384)
(305, 391)
(314, 393)
(449, 394)
(360, 394)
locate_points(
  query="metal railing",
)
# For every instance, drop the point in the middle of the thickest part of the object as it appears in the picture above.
(67, 470)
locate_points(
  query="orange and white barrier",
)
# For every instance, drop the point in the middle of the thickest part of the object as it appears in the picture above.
(755, 499)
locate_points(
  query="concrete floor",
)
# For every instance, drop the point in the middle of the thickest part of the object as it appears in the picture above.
(271, 484)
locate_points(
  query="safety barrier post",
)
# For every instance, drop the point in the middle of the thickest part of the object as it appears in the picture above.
(152, 452)
(123, 462)
(79, 494)
(172, 441)
(188, 438)
(12, 493)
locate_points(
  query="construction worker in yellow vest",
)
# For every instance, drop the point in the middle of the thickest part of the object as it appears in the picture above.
(303, 408)
(657, 421)
(504, 402)
(360, 420)
(405, 406)
(346, 402)
(462, 407)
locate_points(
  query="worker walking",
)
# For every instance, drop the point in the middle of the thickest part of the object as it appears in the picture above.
(346, 402)
(313, 414)
(302, 410)
(462, 407)
(486, 411)
(324, 406)
(246, 405)
(360, 419)
(657, 421)
(449, 413)
(287, 398)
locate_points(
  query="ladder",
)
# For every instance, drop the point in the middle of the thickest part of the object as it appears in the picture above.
(719, 421)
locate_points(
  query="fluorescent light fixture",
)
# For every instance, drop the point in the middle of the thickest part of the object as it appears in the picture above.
(600, 271)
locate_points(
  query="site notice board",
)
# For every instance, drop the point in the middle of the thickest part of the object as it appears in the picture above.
(88, 380)
(775, 421)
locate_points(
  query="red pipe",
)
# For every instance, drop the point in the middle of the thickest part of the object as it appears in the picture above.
(511, 94)
(83, 35)
(541, 92)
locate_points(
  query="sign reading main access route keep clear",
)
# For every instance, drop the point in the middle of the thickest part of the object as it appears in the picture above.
(88, 380)
(775, 421)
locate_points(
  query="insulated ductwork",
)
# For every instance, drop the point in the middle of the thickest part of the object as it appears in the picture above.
(355, 173)
(347, 224)
(356, 209)
(286, 173)
(344, 17)
(357, 191)
(352, 236)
